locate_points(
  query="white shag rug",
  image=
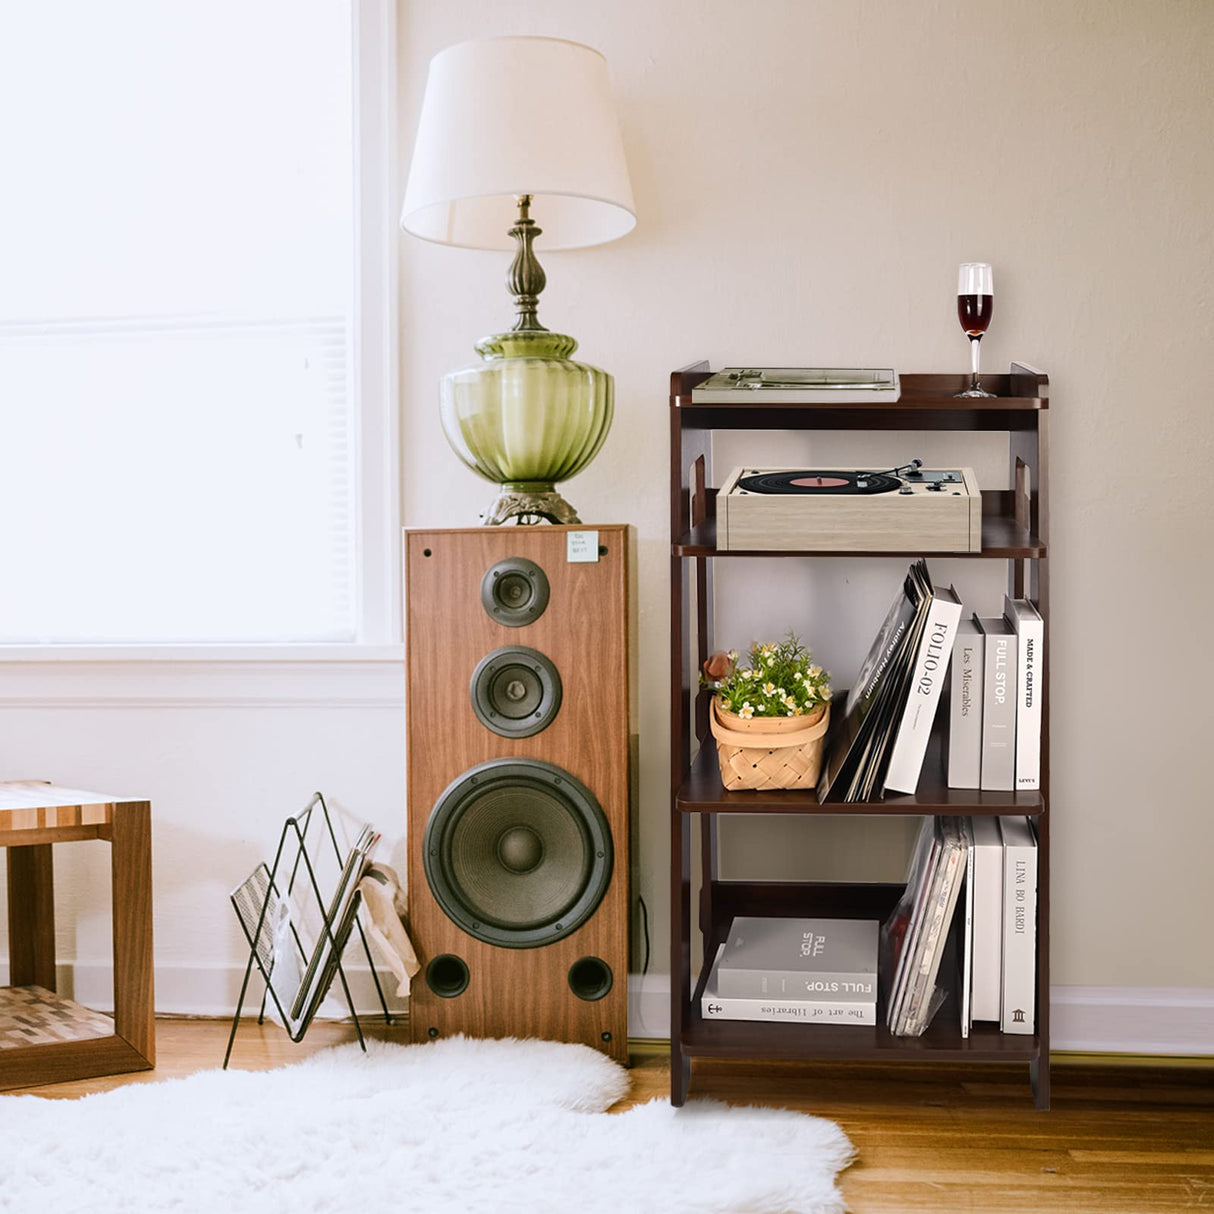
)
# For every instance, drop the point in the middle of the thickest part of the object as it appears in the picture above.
(495, 1127)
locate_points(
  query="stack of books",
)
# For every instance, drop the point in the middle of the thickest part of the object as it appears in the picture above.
(994, 738)
(1000, 957)
(795, 970)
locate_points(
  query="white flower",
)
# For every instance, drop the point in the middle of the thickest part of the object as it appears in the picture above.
(825, 693)
(789, 702)
(746, 711)
(815, 671)
(769, 689)
(748, 674)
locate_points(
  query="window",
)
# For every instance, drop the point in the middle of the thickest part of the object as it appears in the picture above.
(193, 358)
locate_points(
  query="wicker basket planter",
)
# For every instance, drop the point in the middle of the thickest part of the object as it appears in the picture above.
(769, 752)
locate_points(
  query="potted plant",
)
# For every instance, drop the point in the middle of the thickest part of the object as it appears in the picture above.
(770, 717)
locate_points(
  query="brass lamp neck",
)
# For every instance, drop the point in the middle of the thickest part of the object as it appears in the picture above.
(526, 278)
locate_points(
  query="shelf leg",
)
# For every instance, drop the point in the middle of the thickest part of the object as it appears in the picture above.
(680, 952)
(680, 1075)
(31, 916)
(1039, 1074)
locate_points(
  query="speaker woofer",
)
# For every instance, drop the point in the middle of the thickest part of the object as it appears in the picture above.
(517, 852)
(514, 592)
(515, 691)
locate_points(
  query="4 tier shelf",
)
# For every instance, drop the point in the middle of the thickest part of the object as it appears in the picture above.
(1014, 530)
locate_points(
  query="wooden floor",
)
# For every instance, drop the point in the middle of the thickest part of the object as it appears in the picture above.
(935, 1139)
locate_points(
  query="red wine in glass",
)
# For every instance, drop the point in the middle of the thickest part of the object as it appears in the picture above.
(974, 313)
(975, 304)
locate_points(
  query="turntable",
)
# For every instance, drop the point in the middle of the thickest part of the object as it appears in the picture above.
(906, 509)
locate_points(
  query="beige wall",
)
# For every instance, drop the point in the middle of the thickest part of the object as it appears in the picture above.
(807, 177)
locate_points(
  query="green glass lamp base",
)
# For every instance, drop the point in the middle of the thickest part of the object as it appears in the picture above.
(527, 418)
(525, 507)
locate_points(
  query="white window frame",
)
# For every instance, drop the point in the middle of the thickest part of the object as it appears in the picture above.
(81, 671)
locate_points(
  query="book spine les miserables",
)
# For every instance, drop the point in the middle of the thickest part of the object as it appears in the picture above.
(789, 984)
(999, 706)
(1017, 997)
(722, 1007)
(1030, 640)
(923, 698)
(965, 708)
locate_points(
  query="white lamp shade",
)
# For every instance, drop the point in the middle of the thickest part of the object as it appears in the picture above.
(508, 116)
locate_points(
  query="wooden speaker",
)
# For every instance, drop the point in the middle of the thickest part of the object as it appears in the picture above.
(516, 650)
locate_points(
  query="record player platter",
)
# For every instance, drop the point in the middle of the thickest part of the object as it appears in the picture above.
(819, 482)
(908, 509)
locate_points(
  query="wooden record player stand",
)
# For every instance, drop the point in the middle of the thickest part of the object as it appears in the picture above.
(1014, 530)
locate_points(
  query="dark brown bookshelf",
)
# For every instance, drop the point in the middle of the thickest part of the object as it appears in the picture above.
(1014, 530)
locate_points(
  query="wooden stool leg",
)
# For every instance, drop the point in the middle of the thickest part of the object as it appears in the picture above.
(131, 868)
(31, 916)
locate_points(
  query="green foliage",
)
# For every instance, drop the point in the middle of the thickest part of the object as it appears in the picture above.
(780, 681)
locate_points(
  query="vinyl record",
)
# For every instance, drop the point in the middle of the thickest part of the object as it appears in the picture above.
(819, 484)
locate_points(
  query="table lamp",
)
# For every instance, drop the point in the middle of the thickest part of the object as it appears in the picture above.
(510, 127)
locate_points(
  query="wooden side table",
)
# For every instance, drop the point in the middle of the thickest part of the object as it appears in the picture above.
(45, 1038)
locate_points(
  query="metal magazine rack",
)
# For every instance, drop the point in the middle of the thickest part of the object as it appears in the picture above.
(298, 972)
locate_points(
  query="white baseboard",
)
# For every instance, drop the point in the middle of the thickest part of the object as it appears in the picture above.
(1132, 1020)
(1093, 1019)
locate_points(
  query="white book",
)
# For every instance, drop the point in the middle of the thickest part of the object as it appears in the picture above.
(1018, 990)
(998, 705)
(796, 959)
(931, 664)
(987, 928)
(967, 948)
(1030, 643)
(715, 1006)
(965, 708)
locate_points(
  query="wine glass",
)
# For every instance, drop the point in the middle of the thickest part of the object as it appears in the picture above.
(975, 303)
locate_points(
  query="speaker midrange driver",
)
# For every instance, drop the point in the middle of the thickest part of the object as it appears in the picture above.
(517, 852)
(515, 691)
(515, 592)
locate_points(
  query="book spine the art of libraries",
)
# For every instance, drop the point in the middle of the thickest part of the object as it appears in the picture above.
(1030, 642)
(809, 1011)
(923, 698)
(999, 706)
(1018, 991)
(965, 708)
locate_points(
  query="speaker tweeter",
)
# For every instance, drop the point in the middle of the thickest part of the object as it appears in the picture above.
(515, 592)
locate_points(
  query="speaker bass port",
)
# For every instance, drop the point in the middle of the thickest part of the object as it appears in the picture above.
(447, 975)
(590, 978)
(518, 853)
(514, 592)
(515, 691)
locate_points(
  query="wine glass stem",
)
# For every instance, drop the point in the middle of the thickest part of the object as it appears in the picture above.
(975, 343)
